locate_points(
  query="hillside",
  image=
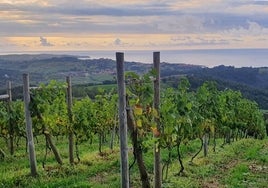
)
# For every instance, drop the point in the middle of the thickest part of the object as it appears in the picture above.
(45, 67)
(252, 82)
(254, 77)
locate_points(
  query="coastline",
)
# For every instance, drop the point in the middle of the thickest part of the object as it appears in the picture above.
(205, 57)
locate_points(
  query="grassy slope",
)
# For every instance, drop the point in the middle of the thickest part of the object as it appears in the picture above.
(242, 164)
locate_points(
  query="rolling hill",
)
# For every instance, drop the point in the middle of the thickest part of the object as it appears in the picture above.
(252, 82)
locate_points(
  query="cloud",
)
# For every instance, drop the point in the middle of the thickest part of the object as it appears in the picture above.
(252, 29)
(181, 24)
(227, 18)
(117, 42)
(27, 17)
(7, 44)
(44, 42)
(261, 2)
(198, 41)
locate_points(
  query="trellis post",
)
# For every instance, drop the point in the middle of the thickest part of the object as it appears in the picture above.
(11, 127)
(70, 116)
(29, 131)
(122, 120)
(157, 156)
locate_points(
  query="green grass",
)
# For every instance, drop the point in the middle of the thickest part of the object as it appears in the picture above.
(241, 164)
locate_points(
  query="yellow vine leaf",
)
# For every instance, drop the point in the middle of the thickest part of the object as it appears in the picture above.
(155, 131)
(138, 110)
(139, 123)
(212, 129)
(155, 113)
(4, 132)
(153, 125)
(148, 109)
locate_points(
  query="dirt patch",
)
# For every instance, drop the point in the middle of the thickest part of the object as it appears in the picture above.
(100, 178)
(225, 167)
(108, 154)
(258, 168)
(212, 183)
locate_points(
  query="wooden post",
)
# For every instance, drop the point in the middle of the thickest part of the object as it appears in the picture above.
(9, 91)
(122, 120)
(205, 144)
(70, 115)
(157, 156)
(11, 126)
(29, 131)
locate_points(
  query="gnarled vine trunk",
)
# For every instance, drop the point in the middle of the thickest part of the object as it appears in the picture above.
(180, 157)
(137, 149)
(50, 141)
(53, 147)
(200, 149)
(2, 154)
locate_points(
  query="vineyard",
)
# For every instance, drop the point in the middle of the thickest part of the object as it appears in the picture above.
(84, 137)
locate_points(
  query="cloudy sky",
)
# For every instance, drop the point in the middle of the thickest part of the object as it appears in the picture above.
(49, 25)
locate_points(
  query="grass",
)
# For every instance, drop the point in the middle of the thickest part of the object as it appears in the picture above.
(241, 164)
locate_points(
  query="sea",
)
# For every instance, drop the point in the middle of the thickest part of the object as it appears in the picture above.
(205, 57)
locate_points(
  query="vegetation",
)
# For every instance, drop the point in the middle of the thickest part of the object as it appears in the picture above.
(241, 164)
(252, 82)
(190, 120)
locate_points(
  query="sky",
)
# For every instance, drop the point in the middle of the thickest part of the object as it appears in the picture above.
(70, 25)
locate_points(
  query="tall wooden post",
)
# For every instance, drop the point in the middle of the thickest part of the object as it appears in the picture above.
(9, 91)
(70, 115)
(205, 143)
(29, 131)
(157, 156)
(122, 120)
(11, 126)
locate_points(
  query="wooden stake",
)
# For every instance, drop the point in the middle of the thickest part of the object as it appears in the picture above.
(122, 120)
(29, 131)
(70, 115)
(11, 126)
(157, 156)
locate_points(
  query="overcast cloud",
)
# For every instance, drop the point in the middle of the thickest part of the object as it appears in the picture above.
(103, 24)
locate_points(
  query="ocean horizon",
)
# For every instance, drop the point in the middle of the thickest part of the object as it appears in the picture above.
(205, 57)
